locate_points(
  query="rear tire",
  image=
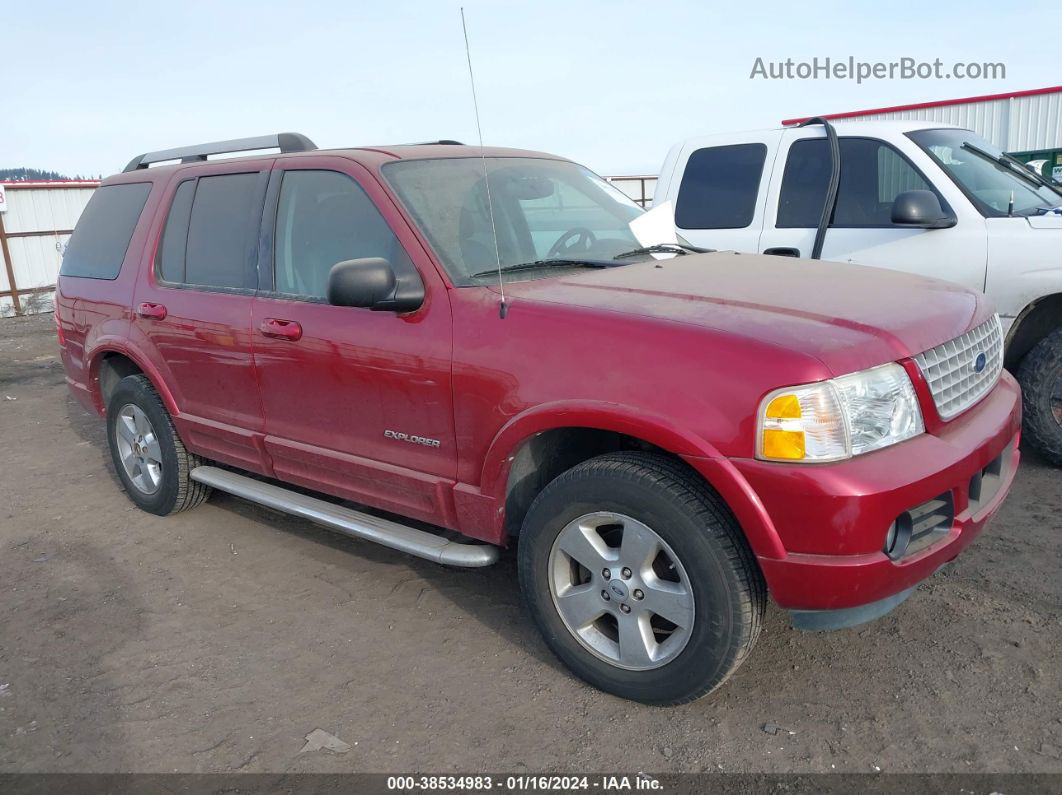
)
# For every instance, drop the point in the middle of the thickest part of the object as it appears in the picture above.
(700, 571)
(1040, 376)
(148, 455)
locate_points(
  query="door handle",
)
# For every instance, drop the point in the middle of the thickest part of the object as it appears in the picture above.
(281, 329)
(153, 311)
(782, 251)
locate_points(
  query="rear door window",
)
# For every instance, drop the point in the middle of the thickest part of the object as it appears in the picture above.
(222, 231)
(101, 238)
(873, 174)
(720, 186)
(211, 233)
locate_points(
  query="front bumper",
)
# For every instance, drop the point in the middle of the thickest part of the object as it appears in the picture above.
(832, 519)
(844, 617)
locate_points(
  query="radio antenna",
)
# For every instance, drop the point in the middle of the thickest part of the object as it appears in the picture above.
(503, 308)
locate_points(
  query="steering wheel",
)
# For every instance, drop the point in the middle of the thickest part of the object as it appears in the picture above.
(576, 240)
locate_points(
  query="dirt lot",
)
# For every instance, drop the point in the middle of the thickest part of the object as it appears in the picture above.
(218, 639)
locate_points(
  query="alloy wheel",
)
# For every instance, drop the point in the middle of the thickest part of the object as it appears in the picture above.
(138, 448)
(621, 591)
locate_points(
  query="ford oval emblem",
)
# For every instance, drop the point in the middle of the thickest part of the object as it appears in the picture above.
(980, 362)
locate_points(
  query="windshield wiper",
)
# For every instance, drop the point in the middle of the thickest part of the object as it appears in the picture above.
(1025, 170)
(548, 263)
(1013, 166)
(665, 248)
(578, 262)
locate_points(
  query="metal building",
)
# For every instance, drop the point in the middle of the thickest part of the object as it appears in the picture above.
(1027, 124)
(36, 219)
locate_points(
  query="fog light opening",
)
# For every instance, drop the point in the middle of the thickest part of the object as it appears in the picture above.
(898, 536)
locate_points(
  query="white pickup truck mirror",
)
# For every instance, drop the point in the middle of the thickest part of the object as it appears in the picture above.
(921, 209)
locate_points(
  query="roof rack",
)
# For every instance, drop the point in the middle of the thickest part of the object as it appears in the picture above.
(286, 142)
(443, 142)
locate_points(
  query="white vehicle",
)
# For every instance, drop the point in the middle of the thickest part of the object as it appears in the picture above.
(930, 199)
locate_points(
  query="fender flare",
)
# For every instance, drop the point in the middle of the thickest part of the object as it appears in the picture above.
(655, 429)
(116, 344)
(1029, 319)
(598, 415)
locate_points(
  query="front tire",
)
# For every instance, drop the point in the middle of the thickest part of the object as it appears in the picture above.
(1040, 376)
(639, 579)
(148, 455)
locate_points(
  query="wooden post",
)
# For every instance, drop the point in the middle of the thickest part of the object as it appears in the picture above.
(10, 266)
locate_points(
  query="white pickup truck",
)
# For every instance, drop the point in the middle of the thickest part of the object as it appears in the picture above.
(926, 198)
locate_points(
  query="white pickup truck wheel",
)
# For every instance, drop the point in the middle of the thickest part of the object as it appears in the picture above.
(1040, 375)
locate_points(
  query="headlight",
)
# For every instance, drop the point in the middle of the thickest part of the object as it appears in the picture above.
(839, 418)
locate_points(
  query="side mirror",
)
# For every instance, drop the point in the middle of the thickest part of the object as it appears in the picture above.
(920, 209)
(371, 283)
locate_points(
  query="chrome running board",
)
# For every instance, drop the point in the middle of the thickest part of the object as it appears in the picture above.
(349, 522)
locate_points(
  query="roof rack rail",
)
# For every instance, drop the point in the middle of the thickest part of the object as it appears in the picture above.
(443, 142)
(286, 142)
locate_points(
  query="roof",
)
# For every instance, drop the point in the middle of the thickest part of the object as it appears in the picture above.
(869, 128)
(897, 125)
(428, 151)
(936, 104)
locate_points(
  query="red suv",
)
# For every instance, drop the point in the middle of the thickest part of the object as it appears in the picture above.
(476, 340)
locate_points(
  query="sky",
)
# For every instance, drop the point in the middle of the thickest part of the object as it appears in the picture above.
(86, 86)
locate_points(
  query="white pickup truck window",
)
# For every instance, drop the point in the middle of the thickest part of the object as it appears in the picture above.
(719, 187)
(873, 174)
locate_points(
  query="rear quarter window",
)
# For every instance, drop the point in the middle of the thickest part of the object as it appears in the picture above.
(101, 238)
(719, 187)
(175, 236)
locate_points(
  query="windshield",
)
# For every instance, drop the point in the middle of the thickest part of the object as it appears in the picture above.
(988, 182)
(543, 209)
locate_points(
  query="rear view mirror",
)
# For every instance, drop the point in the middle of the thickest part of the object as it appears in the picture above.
(920, 209)
(371, 283)
(528, 188)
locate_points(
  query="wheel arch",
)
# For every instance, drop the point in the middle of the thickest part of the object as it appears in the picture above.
(536, 447)
(1033, 323)
(546, 454)
(110, 363)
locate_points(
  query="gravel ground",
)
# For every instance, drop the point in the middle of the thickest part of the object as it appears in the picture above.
(217, 640)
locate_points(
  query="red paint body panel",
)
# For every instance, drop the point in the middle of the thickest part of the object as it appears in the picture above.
(329, 396)
(202, 349)
(845, 508)
(95, 314)
(677, 353)
(823, 310)
(834, 517)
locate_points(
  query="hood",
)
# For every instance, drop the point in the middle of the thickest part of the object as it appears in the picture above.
(848, 316)
(1052, 220)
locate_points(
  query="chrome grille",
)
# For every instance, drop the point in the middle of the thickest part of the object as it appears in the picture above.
(951, 372)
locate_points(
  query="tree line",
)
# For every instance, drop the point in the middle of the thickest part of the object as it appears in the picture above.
(36, 175)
